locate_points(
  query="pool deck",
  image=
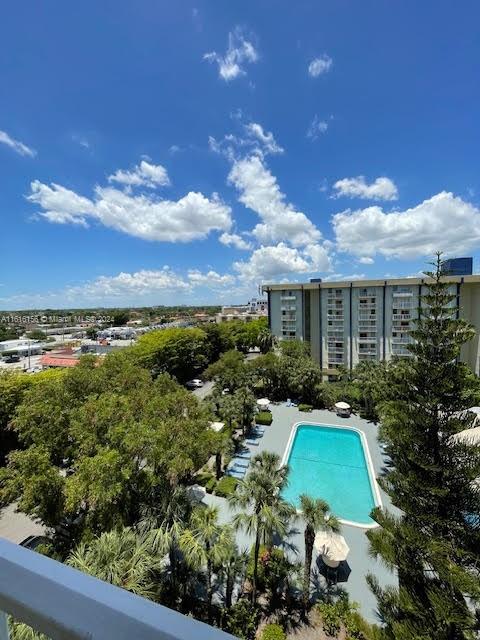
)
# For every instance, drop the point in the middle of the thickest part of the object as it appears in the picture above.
(275, 439)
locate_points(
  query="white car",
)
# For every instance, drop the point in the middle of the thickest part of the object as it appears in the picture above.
(195, 384)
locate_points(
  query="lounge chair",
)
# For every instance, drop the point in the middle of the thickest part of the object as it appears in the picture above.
(252, 441)
(246, 454)
(239, 462)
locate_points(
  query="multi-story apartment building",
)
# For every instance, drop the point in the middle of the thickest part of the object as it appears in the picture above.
(347, 322)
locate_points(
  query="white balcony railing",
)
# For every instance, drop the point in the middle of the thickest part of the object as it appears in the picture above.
(62, 602)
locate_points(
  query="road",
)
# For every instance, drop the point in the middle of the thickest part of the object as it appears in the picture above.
(204, 391)
(17, 526)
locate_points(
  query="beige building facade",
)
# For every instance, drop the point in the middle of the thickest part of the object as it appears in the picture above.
(350, 321)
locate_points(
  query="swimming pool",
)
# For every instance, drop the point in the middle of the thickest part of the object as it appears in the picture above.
(332, 463)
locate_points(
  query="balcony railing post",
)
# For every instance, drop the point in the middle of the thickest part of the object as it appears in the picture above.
(4, 635)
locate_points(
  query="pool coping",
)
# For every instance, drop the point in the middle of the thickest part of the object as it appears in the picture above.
(377, 498)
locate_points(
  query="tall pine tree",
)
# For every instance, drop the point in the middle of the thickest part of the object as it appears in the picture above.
(434, 543)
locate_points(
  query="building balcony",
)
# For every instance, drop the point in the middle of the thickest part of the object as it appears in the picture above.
(288, 308)
(402, 340)
(288, 298)
(367, 305)
(400, 316)
(370, 338)
(62, 602)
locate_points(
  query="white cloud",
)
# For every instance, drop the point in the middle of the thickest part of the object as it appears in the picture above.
(16, 145)
(234, 240)
(381, 189)
(192, 217)
(211, 279)
(366, 260)
(256, 141)
(320, 65)
(267, 263)
(142, 175)
(259, 191)
(316, 128)
(240, 51)
(144, 286)
(266, 139)
(441, 223)
(175, 148)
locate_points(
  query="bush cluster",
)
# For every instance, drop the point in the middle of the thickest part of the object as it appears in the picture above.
(226, 486)
(263, 417)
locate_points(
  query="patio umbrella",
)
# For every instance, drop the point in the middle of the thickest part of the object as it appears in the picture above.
(263, 403)
(342, 405)
(332, 547)
(336, 574)
(468, 436)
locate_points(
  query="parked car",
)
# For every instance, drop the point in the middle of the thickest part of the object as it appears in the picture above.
(12, 358)
(196, 383)
(33, 542)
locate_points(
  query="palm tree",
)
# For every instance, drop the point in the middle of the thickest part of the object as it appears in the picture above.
(164, 516)
(317, 517)
(245, 406)
(265, 340)
(204, 544)
(233, 563)
(264, 511)
(223, 445)
(122, 558)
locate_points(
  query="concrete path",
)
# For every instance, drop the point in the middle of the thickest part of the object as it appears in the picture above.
(275, 439)
(16, 526)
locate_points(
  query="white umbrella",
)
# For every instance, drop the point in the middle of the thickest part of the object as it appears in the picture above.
(332, 547)
(263, 403)
(216, 426)
(342, 405)
(468, 436)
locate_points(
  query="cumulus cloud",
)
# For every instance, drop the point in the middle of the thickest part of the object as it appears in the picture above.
(211, 278)
(276, 261)
(366, 260)
(320, 65)
(255, 140)
(143, 286)
(192, 217)
(259, 191)
(443, 222)
(266, 139)
(316, 128)
(234, 240)
(240, 51)
(381, 189)
(142, 175)
(16, 145)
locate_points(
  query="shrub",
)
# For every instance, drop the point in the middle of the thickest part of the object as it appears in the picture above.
(264, 417)
(211, 484)
(242, 620)
(203, 478)
(305, 407)
(273, 632)
(226, 486)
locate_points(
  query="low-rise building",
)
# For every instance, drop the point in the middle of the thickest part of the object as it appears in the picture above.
(254, 309)
(21, 346)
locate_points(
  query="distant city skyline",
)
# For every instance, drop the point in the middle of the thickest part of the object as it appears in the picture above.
(164, 154)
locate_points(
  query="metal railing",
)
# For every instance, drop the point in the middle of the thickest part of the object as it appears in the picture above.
(62, 603)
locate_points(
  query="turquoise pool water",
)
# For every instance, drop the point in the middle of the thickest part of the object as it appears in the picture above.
(329, 463)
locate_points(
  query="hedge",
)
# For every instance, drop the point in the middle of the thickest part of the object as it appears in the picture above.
(226, 486)
(273, 632)
(263, 417)
(305, 407)
(211, 484)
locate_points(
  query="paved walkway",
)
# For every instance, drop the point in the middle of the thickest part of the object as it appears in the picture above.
(16, 526)
(275, 439)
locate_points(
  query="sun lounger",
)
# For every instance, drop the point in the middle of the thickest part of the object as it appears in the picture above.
(246, 454)
(240, 474)
(252, 441)
(239, 462)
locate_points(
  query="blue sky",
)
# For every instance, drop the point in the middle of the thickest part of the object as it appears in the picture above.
(165, 152)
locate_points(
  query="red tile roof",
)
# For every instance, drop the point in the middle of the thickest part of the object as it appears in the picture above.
(58, 360)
